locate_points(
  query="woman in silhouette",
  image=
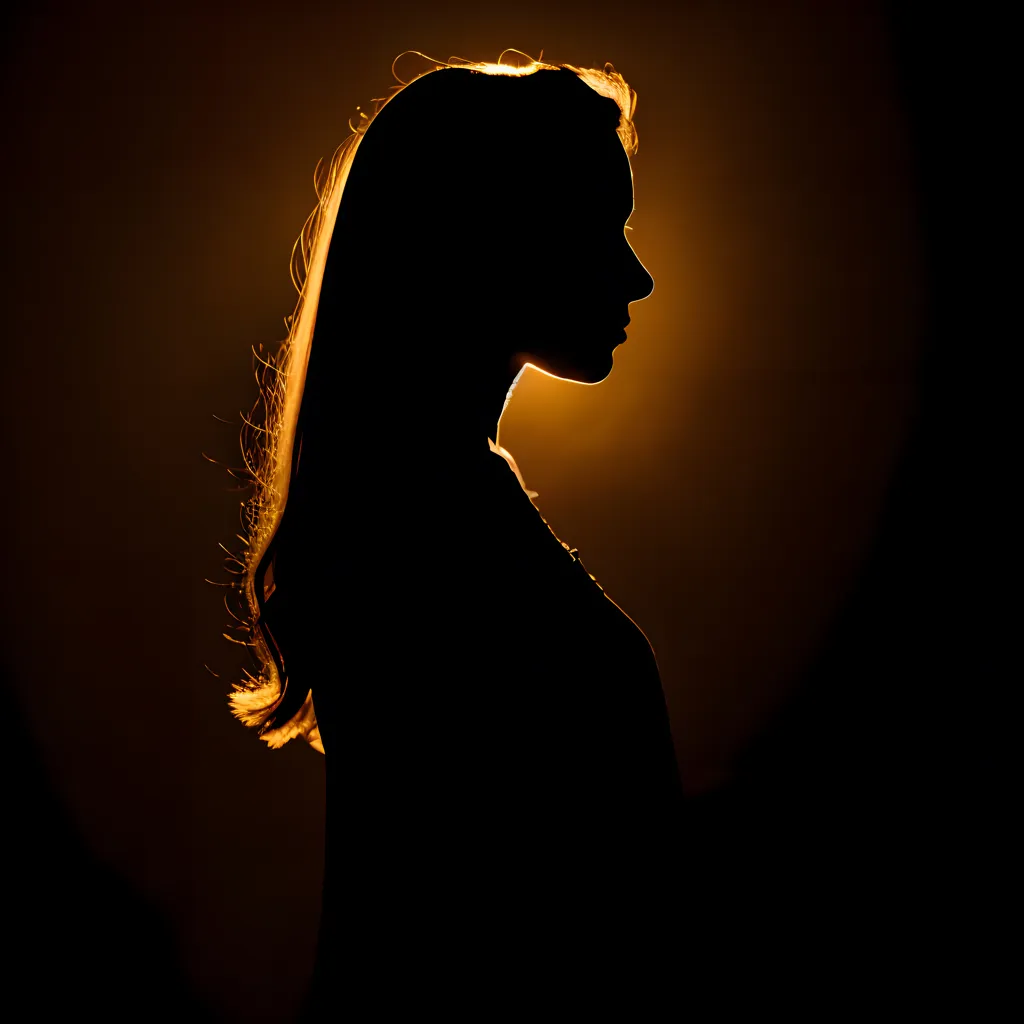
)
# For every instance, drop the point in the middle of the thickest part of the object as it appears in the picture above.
(502, 792)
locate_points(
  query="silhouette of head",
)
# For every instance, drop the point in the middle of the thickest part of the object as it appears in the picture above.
(495, 206)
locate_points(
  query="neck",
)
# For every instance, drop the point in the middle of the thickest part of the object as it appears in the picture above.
(412, 414)
(456, 414)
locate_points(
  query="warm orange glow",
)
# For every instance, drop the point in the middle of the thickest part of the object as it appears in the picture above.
(267, 445)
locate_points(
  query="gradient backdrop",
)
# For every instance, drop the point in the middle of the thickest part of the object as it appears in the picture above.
(739, 485)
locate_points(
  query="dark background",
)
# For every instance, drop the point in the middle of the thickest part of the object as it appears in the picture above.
(795, 480)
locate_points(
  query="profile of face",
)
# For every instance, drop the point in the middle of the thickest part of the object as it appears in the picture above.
(515, 253)
(573, 290)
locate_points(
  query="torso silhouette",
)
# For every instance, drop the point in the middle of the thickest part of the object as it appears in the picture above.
(499, 760)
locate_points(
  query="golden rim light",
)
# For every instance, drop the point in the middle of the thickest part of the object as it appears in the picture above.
(267, 446)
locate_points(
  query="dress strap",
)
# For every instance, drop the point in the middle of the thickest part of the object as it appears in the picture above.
(574, 553)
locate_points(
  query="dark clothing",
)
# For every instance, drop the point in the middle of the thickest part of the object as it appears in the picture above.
(502, 788)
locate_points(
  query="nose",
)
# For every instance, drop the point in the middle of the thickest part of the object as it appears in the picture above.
(641, 284)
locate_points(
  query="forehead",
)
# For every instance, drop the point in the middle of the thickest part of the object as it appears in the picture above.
(589, 180)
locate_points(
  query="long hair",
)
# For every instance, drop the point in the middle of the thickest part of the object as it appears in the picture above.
(263, 699)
